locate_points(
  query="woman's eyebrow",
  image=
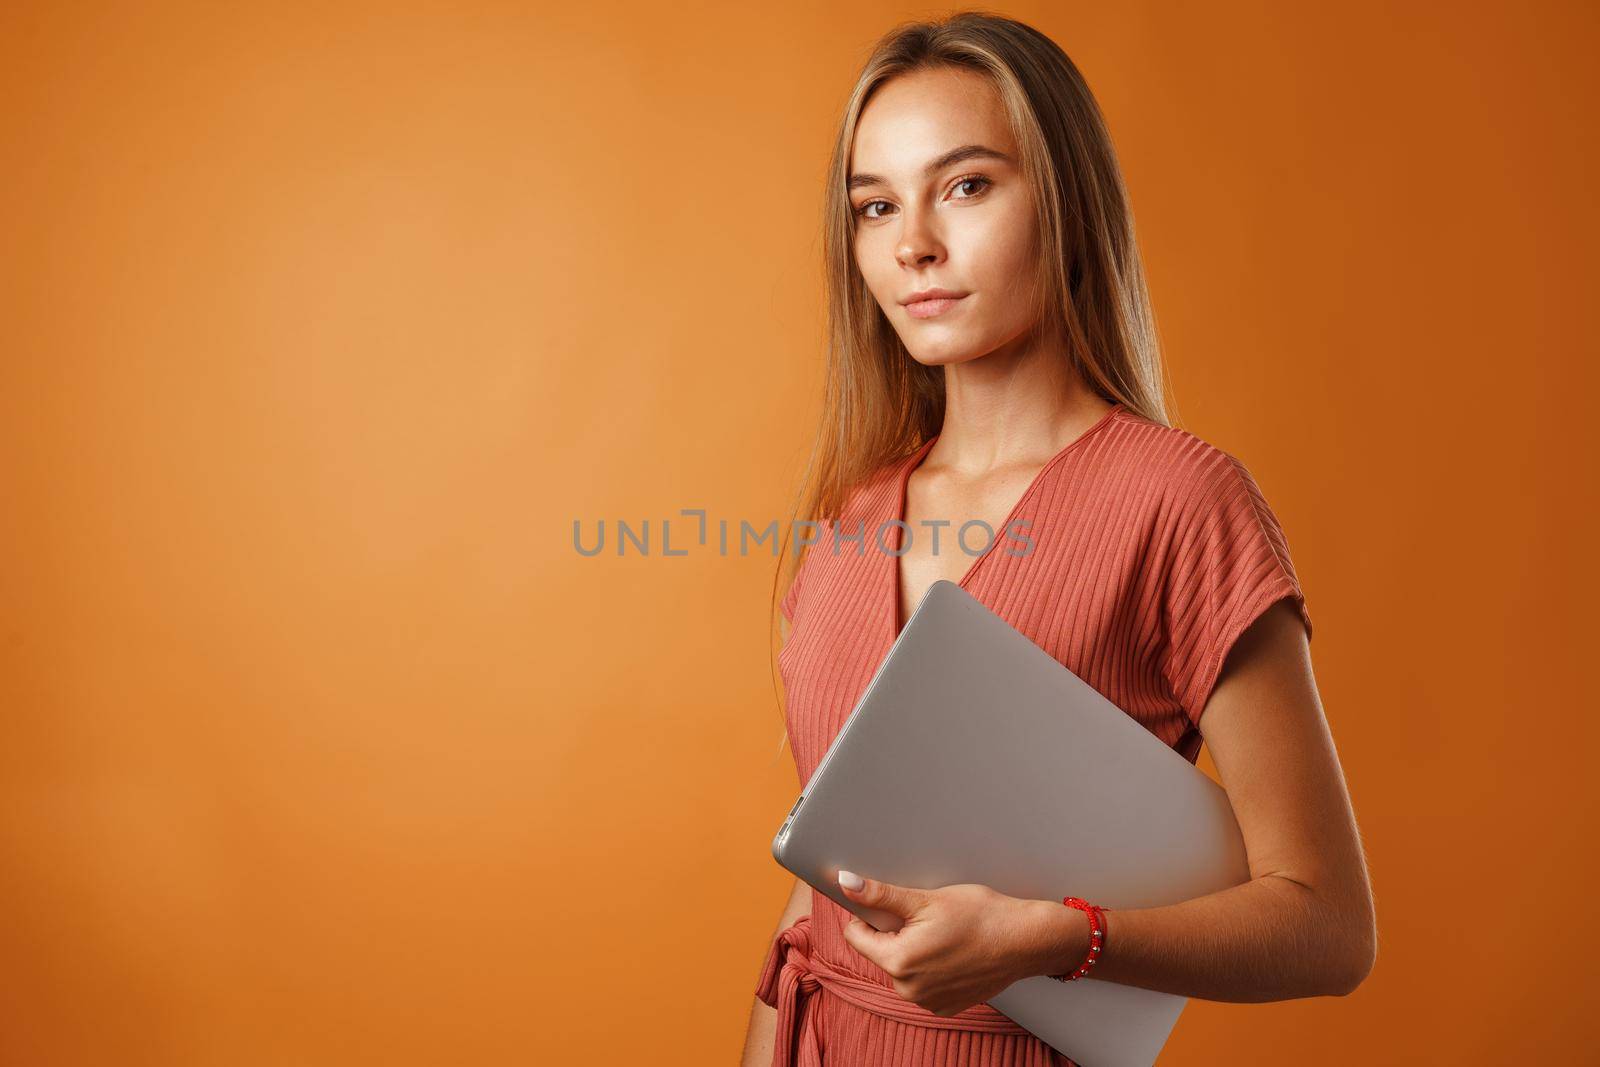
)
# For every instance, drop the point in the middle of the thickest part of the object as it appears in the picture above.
(955, 155)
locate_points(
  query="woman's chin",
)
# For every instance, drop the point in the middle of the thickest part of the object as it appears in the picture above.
(944, 355)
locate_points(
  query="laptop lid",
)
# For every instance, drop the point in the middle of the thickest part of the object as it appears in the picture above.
(974, 756)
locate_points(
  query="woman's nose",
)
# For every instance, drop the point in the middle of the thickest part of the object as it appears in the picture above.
(920, 242)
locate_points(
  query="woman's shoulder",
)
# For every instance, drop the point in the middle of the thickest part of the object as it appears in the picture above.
(1216, 521)
(1179, 464)
(862, 504)
(872, 493)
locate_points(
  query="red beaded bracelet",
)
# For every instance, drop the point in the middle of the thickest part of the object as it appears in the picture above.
(1097, 936)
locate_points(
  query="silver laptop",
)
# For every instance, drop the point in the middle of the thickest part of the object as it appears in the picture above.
(973, 756)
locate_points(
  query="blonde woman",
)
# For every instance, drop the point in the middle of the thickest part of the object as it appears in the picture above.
(993, 365)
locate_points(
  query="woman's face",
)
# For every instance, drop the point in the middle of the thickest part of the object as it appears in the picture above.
(940, 203)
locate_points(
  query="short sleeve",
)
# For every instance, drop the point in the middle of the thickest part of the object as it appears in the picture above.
(1229, 563)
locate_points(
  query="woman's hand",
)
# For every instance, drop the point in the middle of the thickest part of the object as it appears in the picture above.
(959, 946)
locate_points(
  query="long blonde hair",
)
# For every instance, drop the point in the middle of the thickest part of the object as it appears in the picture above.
(880, 404)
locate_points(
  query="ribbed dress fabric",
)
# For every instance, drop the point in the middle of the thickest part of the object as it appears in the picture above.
(1152, 551)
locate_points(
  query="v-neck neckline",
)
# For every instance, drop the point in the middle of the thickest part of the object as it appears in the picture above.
(898, 501)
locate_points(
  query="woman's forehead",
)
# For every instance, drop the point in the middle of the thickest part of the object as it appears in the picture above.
(913, 119)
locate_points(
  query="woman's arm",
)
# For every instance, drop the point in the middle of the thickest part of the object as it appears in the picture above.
(1304, 924)
(763, 1017)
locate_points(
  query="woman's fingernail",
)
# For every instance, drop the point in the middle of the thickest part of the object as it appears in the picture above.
(850, 881)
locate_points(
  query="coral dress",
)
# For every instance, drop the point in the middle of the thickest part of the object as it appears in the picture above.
(1151, 553)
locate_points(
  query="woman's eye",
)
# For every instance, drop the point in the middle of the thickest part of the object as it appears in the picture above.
(976, 179)
(865, 209)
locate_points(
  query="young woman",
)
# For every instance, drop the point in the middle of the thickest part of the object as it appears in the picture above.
(993, 360)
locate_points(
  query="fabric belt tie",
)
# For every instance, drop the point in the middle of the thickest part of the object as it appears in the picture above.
(792, 975)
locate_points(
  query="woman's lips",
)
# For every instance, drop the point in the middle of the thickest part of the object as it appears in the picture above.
(927, 309)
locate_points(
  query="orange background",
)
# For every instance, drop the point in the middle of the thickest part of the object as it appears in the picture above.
(324, 746)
